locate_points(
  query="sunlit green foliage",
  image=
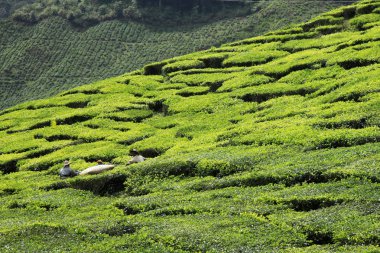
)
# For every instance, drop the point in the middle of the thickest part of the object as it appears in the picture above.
(252, 58)
(279, 155)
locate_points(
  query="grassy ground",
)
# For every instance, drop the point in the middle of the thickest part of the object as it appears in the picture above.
(269, 144)
(52, 56)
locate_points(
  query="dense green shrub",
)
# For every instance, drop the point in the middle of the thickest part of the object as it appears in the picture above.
(182, 65)
(253, 58)
(360, 21)
(322, 21)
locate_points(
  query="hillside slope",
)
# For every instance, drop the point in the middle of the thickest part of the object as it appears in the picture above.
(52, 56)
(269, 144)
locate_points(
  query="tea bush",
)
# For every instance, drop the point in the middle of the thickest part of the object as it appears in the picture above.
(243, 81)
(359, 22)
(253, 58)
(182, 65)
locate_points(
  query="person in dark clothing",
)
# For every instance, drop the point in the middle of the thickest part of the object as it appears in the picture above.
(66, 171)
(137, 158)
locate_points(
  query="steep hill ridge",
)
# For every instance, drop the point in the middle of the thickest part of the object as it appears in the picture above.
(52, 56)
(268, 144)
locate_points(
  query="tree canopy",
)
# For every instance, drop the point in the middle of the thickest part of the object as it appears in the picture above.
(201, 5)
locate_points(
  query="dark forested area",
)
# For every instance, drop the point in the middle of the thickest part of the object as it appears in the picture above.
(198, 5)
(90, 12)
(7, 7)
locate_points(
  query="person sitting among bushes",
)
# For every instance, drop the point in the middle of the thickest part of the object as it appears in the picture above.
(100, 167)
(137, 158)
(66, 171)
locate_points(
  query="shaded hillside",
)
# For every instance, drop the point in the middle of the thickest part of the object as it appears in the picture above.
(85, 13)
(8, 7)
(269, 144)
(52, 56)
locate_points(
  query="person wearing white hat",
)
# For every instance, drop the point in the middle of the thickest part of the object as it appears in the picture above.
(66, 171)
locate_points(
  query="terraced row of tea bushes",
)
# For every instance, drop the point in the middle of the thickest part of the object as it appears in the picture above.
(243, 166)
(52, 56)
(249, 100)
(177, 215)
(300, 207)
(302, 126)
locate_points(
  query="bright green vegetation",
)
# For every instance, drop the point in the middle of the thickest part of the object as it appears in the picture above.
(53, 55)
(246, 153)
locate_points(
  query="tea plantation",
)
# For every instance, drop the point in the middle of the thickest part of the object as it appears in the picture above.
(51, 56)
(268, 144)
